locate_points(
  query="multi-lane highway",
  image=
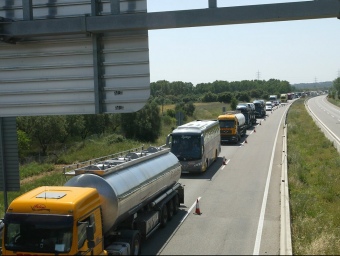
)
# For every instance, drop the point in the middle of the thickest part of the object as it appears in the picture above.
(239, 201)
(327, 116)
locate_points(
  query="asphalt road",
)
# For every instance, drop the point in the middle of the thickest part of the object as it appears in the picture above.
(239, 202)
(327, 116)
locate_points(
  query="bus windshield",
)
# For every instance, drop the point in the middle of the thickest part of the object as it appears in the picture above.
(186, 147)
(38, 233)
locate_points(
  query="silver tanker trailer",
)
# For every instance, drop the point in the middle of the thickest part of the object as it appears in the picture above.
(113, 204)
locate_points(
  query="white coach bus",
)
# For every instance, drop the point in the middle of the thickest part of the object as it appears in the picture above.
(196, 144)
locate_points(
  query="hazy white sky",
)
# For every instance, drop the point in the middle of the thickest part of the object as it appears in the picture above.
(305, 51)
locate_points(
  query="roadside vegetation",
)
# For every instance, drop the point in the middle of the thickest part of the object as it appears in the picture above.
(334, 93)
(48, 170)
(47, 144)
(314, 187)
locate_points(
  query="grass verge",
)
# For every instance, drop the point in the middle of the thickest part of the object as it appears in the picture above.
(314, 187)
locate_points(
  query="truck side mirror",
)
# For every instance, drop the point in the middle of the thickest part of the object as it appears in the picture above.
(168, 142)
(90, 236)
(1, 230)
(2, 224)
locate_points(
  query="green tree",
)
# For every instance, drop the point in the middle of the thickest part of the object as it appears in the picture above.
(75, 124)
(45, 130)
(143, 125)
(225, 97)
(209, 97)
(94, 124)
(189, 108)
(233, 103)
(336, 85)
(171, 113)
(243, 96)
(24, 143)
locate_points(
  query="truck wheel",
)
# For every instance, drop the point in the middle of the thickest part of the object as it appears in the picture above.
(132, 237)
(176, 203)
(164, 216)
(136, 244)
(170, 206)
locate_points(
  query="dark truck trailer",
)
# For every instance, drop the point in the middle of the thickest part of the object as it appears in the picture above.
(260, 108)
(247, 112)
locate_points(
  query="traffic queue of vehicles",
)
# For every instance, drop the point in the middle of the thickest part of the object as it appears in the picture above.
(109, 206)
(234, 124)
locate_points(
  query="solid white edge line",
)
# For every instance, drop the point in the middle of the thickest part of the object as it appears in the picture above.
(265, 196)
(180, 224)
(190, 209)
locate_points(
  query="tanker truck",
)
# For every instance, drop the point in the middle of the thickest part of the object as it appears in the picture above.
(232, 126)
(105, 208)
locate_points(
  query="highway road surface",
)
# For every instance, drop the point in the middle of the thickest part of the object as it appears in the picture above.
(238, 198)
(327, 116)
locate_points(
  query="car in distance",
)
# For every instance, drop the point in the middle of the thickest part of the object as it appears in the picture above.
(269, 106)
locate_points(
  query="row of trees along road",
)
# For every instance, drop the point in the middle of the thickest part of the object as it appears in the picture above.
(223, 91)
(335, 91)
(44, 134)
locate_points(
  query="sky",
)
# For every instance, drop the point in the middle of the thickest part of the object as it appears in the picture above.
(306, 51)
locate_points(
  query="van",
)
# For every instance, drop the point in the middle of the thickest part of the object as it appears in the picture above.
(269, 106)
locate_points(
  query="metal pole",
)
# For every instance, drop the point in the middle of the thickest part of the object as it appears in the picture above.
(212, 3)
(96, 60)
(115, 7)
(27, 9)
(2, 155)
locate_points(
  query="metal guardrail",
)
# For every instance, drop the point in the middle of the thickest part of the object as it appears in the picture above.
(285, 233)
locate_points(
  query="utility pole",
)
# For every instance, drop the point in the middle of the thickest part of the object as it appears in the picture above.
(258, 75)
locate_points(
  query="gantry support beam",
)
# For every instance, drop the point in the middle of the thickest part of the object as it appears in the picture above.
(171, 19)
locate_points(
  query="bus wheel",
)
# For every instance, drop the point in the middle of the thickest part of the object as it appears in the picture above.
(170, 206)
(164, 216)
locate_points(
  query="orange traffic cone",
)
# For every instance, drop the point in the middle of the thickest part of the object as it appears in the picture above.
(197, 211)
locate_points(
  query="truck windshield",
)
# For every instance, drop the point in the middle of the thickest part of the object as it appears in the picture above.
(243, 110)
(227, 123)
(38, 233)
(186, 147)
